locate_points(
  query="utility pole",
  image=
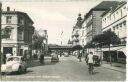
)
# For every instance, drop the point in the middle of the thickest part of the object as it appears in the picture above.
(0, 37)
(61, 37)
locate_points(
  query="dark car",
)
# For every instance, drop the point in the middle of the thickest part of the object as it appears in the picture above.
(97, 60)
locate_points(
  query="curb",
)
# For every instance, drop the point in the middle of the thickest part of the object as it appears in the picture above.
(114, 69)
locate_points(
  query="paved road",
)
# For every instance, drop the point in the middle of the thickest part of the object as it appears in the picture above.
(68, 69)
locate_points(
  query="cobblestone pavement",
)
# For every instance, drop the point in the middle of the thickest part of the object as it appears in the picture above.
(67, 69)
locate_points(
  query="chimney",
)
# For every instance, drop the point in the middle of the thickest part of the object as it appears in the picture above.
(8, 8)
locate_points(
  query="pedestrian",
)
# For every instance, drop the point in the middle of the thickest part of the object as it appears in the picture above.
(4, 59)
(86, 58)
(90, 60)
(42, 58)
(79, 56)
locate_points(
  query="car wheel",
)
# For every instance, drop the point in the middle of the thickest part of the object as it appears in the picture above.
(25, 70)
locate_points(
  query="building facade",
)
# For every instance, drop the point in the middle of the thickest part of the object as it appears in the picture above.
(115, 20)
(17, 31)
(82, 36)
(76, 33)
(93, 19)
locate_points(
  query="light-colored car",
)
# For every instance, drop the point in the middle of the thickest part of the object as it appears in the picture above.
(14, 64)
(66, 54)
(54, 58)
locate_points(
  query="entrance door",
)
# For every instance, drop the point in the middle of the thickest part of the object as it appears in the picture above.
(7, 50)
(21, 52)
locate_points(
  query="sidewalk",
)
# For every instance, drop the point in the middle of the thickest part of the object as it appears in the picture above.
(115, 66)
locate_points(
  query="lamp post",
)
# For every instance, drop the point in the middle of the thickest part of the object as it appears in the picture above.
(0, 37)
(110, 54)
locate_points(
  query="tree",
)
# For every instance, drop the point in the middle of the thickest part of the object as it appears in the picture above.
(37, 41)
(108, 38)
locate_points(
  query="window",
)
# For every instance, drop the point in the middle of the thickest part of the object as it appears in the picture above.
(113, 28)
(110, 17)
(8, 19)
(117, 27)
(121, 12)
(124, 23)
(82, 32)
(20, 35)
(7, 33)
(105, 20)
(120, 24)
(117, 12)
(21, 21)
(124, 7)
(114, 16)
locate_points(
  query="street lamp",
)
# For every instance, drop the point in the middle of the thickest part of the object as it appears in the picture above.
(0, 37)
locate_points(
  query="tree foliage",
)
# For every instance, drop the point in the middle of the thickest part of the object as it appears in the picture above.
(106, 38)
(37, 40)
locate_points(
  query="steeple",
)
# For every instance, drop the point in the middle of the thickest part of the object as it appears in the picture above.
(79, 21)
(79, 17)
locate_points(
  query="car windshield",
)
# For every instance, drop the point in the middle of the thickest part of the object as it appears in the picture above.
(13, 59)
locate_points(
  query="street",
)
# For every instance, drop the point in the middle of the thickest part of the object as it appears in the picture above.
(67, 69)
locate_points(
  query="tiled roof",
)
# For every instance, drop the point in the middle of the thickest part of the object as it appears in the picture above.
(114, 7)
(103, 6)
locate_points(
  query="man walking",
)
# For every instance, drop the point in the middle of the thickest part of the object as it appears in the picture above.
(90, 61)
(79, 56)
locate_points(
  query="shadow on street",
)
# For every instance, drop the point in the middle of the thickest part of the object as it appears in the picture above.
(16, 73)
(46, 62)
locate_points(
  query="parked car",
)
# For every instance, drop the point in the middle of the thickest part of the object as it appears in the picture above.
(55, 57)
(14, 64)
(66, 54)
(97, 60)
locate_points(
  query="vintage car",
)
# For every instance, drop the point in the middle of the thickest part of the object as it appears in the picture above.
(14, 64)
(97, 59)
(66, 54)
(55, 57)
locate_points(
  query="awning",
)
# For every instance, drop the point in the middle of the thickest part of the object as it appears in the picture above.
(120, 48)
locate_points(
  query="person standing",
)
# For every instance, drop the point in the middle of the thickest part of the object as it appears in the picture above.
(90, 60)
(4, 58)
(79, 56)
(42, 58)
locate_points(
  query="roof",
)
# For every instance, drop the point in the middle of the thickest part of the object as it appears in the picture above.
(114, 7)
(17, 12)
(103, 6)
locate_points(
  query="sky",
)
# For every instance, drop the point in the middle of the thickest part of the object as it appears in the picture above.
(55, 16)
